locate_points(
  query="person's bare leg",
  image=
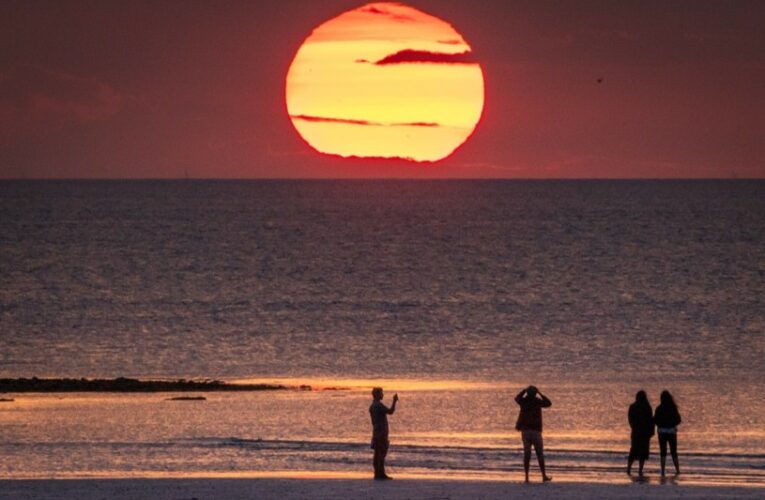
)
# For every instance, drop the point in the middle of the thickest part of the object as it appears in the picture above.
(545, 477)
(630, 461)
(526, 458)
(673, 450)
(383, 454)
(377, 464)
(540, 450)
(641, 463)
(663, 441)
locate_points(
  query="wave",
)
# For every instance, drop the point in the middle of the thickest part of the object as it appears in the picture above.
(356, 446)
(490, 460)
(353, 445)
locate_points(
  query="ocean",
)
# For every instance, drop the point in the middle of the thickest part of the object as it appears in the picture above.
(455, 294)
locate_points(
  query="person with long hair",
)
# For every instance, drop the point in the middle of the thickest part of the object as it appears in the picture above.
(640, 417)
(667, 418)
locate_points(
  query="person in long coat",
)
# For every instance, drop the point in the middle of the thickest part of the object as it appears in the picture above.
(640, 417)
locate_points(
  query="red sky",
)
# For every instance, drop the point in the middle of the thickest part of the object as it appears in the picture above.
(144, 89)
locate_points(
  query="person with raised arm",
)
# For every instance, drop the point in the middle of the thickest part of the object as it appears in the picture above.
(380, 443)
(529, 423)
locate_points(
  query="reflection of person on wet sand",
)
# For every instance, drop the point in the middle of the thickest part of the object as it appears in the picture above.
(530, 425)
(640, 417)
(379, 413)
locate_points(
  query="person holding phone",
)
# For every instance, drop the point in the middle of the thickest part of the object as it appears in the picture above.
(380, 443)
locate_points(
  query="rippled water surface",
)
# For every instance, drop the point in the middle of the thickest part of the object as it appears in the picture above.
(437, 432)
(589, 289)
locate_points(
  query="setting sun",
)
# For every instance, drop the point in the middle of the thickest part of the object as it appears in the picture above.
(385, 80)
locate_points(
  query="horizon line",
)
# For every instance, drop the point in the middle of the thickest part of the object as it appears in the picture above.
(380, 178)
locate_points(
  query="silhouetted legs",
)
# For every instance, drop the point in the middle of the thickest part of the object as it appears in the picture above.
(381, 450)
(533, 438)
(639, 450)
(641, 463)
(672, 440)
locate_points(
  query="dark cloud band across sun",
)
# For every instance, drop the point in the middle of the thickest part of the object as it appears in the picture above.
(381, 11)
(366, 123)
(410, 56)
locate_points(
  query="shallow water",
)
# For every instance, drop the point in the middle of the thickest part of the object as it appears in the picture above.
(591, 290)
(462, 432)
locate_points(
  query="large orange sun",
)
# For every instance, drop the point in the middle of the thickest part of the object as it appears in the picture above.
(385, 81)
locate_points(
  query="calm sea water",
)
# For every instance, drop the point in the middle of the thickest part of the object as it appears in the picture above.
(455, 293)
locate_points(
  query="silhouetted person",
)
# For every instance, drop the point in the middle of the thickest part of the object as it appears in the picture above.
(640, 416)
(667, 418)
(530, 425)
(380, 443)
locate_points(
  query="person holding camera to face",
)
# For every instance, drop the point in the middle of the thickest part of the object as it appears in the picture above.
(529, 424)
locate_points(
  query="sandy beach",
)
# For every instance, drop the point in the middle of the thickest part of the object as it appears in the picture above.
(240, 489)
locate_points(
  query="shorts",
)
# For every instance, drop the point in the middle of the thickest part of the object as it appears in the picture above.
(532, 438)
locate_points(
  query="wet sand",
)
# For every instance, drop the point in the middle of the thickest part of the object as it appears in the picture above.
(294, 488)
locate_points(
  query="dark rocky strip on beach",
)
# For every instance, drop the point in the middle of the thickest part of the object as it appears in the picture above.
(34, 384)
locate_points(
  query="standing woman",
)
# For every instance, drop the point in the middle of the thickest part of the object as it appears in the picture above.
(667, 419)
(640, 416)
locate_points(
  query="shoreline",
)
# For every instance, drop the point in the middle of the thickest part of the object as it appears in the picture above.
(328, 487)
(130, 385)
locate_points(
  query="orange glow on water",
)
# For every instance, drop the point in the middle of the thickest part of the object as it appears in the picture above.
(385, 80)
(390, 385)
